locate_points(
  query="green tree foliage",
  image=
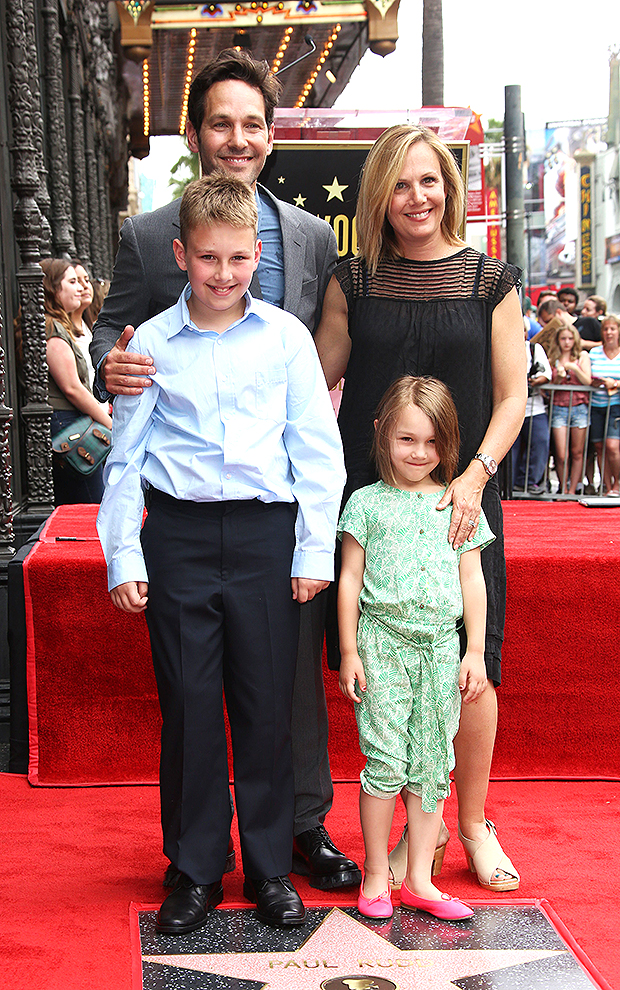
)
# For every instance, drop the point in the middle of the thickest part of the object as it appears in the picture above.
(184, 171)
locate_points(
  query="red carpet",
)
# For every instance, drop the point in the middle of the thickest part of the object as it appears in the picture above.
(93, 707)
(77, 858)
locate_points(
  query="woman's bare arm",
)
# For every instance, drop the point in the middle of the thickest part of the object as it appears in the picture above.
(509, 381)
(63, 369)
(332, 336)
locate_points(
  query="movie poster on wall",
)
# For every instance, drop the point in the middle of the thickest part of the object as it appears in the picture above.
(564, 140)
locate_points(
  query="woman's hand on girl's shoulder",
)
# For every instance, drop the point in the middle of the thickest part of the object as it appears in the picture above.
(351, 670)
(465, 494)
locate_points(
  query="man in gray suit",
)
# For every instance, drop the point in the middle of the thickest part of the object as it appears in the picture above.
(230, 125)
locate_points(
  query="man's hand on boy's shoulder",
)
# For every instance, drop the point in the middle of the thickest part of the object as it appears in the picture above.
(304, 589)
(119, 369)
(130, 596)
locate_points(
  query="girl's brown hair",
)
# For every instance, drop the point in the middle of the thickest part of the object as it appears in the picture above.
(54, 270)
(554, 347)
(434, 399)
(382, 169)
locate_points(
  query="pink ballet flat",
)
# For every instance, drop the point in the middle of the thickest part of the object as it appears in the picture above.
(375, 907)
(448, 908)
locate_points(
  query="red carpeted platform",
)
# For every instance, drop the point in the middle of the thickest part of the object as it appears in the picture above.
(93, 708)
(78, 857)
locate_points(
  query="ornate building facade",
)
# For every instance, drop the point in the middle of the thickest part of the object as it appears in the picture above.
(63, 168)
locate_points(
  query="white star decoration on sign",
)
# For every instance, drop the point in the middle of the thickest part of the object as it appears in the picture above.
(342, 946)
(335, 190)
(300, 200)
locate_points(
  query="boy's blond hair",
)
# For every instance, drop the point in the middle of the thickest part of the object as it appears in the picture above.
(217, 199)
(434, 399)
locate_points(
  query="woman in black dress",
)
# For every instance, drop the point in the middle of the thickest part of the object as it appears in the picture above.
(416, 300)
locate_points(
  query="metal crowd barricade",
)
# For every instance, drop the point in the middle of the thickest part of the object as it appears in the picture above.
(547, 483)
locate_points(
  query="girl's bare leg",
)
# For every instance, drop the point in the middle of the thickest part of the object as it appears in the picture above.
(422, 832)
(612, 464)
(559, 434)
(577, 443)
(376, 816)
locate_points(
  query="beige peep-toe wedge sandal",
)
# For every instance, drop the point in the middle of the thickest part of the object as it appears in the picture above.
(486, 858)
(398, 860)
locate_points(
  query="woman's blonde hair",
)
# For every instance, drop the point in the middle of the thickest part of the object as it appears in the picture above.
(54, 270)
(382, 169)
(434, 399)
(554, 347)
(600, 303)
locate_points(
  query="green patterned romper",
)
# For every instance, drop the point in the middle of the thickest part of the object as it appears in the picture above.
(410, 605)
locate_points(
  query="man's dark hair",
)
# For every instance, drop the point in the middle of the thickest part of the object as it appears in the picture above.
(231, 64)
(569, 291)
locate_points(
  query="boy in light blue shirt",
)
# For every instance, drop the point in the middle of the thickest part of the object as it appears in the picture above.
(237, 449)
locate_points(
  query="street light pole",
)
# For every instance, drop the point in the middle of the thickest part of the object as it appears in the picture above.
(514, 143)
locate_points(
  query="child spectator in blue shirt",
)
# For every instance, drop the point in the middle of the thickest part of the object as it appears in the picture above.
(237, 449)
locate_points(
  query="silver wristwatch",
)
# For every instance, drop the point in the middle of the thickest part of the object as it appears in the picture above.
(489, 463)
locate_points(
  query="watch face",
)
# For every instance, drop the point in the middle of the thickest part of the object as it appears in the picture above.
(490, 464)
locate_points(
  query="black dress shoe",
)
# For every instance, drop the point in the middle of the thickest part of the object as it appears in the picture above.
(277, 901)
(172, 874)
(187, 907)
(315, 856)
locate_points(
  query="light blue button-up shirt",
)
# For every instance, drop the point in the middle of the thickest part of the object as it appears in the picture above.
(239, 415)
(271, 265)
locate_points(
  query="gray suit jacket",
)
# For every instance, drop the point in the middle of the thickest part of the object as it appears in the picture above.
(147, 279)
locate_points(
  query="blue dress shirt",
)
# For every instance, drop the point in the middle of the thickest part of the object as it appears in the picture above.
(271, 264)
(242, 414)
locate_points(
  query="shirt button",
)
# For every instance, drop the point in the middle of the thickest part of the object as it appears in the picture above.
(421, 532)
(419, 494)
(229, 476)
(423, 568)
(421, 604)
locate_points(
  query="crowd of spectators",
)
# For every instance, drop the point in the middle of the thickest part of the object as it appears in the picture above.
(573, 381)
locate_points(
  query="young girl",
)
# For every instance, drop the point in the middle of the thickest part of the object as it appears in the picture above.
(402, 590)
(569, 415)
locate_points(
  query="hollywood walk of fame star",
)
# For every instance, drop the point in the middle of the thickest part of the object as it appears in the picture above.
(342, 945)
(335, 190)
(300, 200)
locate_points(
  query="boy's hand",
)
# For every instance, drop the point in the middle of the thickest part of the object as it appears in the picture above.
(304, 589)
(130, 596)
(473, 676)
(119, 368)
(351, 670)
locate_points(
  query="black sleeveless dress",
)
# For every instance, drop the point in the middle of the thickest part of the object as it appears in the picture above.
(428, 318)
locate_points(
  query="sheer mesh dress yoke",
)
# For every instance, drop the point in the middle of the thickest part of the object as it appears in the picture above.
(428, 318)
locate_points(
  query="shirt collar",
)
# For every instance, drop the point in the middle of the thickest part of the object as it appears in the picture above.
(181, 320)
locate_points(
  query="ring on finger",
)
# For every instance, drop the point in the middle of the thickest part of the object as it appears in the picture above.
(472, 522)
